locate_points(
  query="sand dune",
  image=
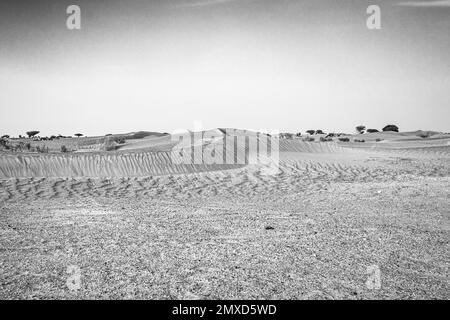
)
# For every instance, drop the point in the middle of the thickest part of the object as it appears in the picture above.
(199, 231)
(155, 156)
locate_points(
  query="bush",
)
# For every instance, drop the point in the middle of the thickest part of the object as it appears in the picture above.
(110, 144)
(325, 139)
(287, 135)
(120, 140)
(344, 139)
(360, 129)
(359, 140)
(310, 132)
(424, 135)
(309, 139)
(372, 130)
(63, 148)
(319, 131)
(391, 127)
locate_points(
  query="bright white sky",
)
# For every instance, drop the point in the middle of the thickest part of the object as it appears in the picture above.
(289, 65)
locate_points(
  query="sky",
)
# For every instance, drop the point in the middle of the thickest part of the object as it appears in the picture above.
(287, 65)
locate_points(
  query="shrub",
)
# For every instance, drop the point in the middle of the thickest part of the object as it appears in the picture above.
(391, 127)
(120, 140)
(424, 135)
(309, 139)
(310, 132)
(359, 140)
(360, 129)
(325, 139)
(63, 148)
(372, 130)
(344, 139)
(110, 144)
(298, 134)
(319, 131)
(43, 149)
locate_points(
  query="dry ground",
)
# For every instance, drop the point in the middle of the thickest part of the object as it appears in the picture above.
(334, 213)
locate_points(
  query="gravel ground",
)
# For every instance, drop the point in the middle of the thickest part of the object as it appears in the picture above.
(382, 240)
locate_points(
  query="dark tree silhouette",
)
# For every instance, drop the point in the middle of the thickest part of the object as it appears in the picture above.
(310, 132)
(319, 131)
(78, 135)
(31, 134)
(372, 130)
(360, 129)
(391, 127)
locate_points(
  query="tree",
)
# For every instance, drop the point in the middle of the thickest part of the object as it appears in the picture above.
(310, 132)
(360, 129)
(298, 134)
(31, 134)
(78, 135)
(5, 136)
(391, 127)
(319, 131)
(372, 130)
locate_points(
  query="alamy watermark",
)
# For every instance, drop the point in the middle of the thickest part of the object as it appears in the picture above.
(373, 277)
(73, 282)
(373, 22)
(73, 21)
(227, 147)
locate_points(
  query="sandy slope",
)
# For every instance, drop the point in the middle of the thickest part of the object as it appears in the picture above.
(139, 226)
